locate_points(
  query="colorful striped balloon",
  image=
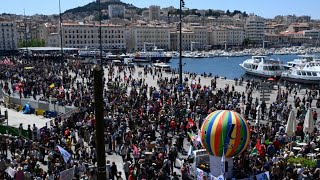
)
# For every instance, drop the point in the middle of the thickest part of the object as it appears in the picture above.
(225, 132)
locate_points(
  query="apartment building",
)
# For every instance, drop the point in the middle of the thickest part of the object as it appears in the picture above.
(80, 35)
(200, 37)
(187, 40)
(231, 35)
(254, 29)
(296, 27)
(150, 34)
(46, 29)
(8, 36)
(53, 40)
(314, 34)
(154, 13)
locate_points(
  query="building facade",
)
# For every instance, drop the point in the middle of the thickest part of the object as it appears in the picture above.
(8, 36)
(150, 34)
(53, 40)
(194, 37)
(80, 35)
(154, 13)
(314, 34)
(254, 29)
(231, 35)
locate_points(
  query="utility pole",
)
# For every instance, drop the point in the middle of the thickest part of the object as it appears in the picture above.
(98, 106)
(180, 85)
(25, 34)
(180, 43)
(61, 40)
(100, 32)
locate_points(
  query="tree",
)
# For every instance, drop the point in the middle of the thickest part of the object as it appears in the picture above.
(246, 42)
(245, 14)
(32, 43)
(228, 12)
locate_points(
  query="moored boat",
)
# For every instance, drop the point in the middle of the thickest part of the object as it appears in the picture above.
(263, 66)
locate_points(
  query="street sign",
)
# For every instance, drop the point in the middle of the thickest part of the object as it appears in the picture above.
(180, 87)
(265, 95)
(264, 88)
(264, 99)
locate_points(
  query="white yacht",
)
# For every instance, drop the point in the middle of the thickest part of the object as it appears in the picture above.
(263, 66)
(308, 73)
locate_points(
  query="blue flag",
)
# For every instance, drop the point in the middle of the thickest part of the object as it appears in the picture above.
(65, 154)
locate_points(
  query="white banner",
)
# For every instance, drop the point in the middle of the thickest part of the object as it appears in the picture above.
(11, 172)
(201, 174)
(67, 174)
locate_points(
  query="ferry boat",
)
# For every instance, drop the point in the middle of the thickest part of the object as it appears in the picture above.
(90, 53)
(302, 59)
(152, 56)
(308, 73)
(263, 66)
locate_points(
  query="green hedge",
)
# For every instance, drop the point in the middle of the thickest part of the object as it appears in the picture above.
(12, 130)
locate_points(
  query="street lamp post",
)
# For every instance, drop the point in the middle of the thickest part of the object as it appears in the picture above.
(61, 40)
(100, 32)
(99, 108)
(180, 42)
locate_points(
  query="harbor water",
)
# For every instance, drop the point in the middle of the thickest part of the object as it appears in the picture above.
(221, 66)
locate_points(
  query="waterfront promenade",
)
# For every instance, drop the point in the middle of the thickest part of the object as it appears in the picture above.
(153, 80)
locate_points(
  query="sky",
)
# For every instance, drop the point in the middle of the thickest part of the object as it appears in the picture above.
(264, 8)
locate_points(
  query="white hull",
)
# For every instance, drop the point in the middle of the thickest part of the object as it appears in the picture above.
(301, 79)
(262, 73)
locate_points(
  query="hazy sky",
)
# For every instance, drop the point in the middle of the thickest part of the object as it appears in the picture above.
(265, 8)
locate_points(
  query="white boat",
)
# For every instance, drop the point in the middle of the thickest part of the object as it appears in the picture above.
(301, 60)
(308, 73)
(91, 53)
(152, 56)
(162, 66)
(263, 66)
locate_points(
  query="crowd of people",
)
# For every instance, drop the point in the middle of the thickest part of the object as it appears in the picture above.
(147, 124)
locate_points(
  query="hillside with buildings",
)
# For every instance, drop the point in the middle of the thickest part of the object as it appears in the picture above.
(126, 28)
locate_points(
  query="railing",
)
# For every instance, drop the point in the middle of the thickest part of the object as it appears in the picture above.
(42, 105)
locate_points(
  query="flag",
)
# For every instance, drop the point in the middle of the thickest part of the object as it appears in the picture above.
(263, 176)
(135, 150)
(223, 163)
(190, 123)
(65, 154)
(258, 144)
(52, 86)
(190, 151)
(6, 61)
(254, 151)
(194, 138)
(191, 135)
